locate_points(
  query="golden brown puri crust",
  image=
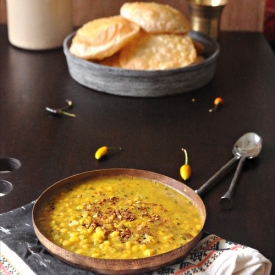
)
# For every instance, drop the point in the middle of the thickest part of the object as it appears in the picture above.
(103, 37)
(158, 52)
(199, 47)
(155, 18)
(199, 59)
(145, 36)
(112, 61)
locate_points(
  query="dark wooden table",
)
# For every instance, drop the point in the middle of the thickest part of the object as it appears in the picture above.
(151, 132)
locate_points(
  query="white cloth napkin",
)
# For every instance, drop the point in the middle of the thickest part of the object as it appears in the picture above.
(216, 256)
(11, 263)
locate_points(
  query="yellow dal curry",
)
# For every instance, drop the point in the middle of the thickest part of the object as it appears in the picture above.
(120, 218)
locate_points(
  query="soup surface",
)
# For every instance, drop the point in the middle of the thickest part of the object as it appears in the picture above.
(119, 218)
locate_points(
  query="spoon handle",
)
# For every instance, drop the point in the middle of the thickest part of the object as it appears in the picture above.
(226, 200)
(210, 183)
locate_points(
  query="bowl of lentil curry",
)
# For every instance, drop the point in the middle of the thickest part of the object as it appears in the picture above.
(119, 221)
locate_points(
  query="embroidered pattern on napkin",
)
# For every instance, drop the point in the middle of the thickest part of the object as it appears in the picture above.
(10, 263)
(214, 255)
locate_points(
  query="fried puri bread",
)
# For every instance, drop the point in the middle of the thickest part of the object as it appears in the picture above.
(199, 47)
(158, 52)
(155, 18)
(112, 61)
(103, 37)
(199, 59)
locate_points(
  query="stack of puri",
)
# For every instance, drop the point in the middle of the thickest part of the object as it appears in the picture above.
(144, 36)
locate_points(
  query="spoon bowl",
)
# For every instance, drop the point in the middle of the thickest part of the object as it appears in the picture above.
(248, 146)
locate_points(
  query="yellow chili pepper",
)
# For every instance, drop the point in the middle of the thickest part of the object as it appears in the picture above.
(102, 151)
(185, 170)
(217, 102)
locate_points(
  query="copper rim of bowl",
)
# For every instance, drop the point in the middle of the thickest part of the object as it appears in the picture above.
(117, 266)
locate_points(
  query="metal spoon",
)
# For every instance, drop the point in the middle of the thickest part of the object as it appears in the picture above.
(241, 148)
(249, 146)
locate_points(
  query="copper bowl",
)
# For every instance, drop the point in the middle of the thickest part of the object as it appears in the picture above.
(117, 266)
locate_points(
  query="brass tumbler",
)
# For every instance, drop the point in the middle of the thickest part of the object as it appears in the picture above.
(205, 16)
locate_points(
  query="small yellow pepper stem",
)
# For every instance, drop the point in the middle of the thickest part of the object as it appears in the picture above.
(102, 151)
(186, 156)
(68, 114)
